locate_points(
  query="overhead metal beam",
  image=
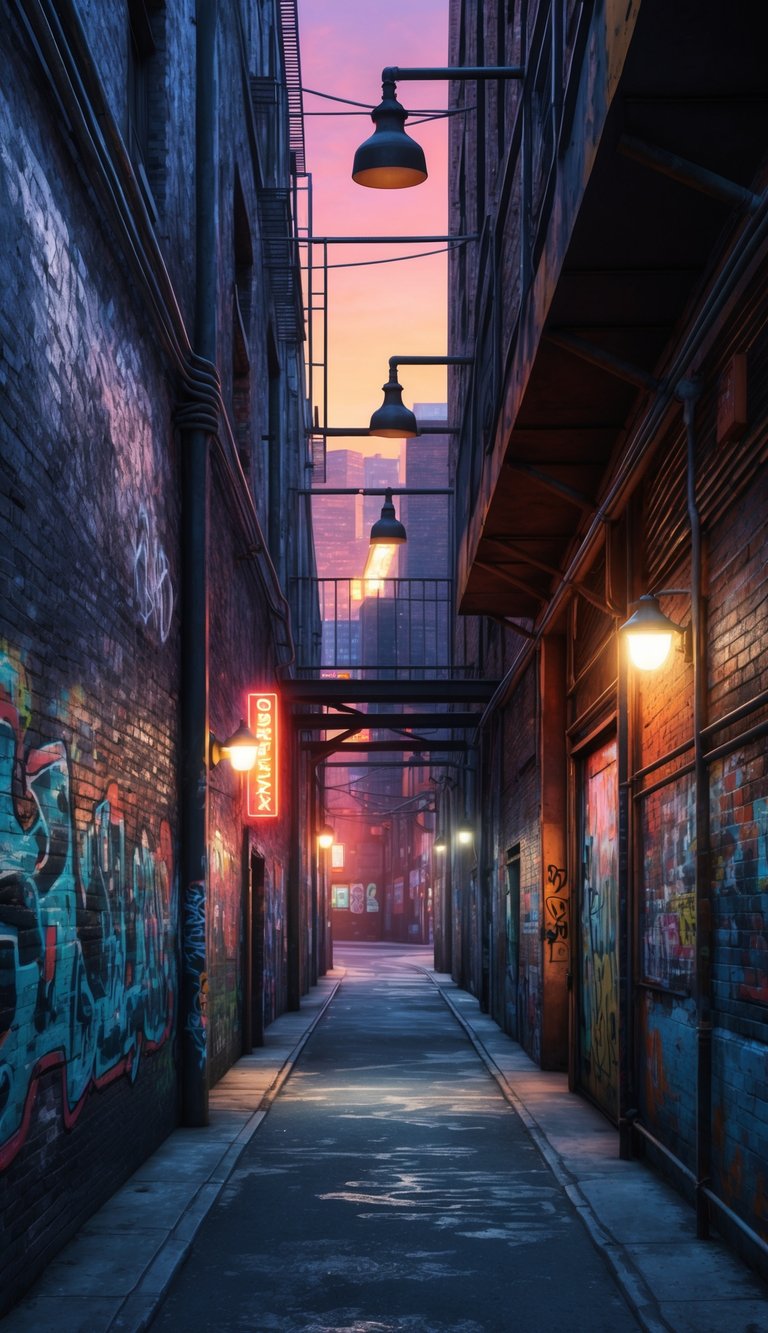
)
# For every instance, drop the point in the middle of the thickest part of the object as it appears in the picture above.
(502, 574)
(513, 626)
(411, 746)
(689, 173)
(384, 721)
(604, 360)
(335, 692)
(552, 484)
(522, 556)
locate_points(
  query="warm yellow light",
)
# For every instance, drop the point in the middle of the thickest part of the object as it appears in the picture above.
(380, 556)
(325, 837)
(465, 836)
(648, 651)
(242, 749)
(242, 757)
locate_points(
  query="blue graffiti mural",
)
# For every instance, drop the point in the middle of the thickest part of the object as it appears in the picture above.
(87, 945)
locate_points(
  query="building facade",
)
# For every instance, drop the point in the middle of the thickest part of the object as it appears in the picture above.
(152, 415)
(611, 911)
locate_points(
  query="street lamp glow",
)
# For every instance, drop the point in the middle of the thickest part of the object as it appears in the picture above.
(649, 651)
(648, 633)
(242, 749)
(325, 836)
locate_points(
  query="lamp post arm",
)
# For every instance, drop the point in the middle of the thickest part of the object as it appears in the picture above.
(395, 361)
(354, 432)
(393, 73)
(373, 490)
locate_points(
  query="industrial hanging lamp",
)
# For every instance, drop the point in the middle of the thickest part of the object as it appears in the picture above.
(390, 159)
(388, 530)
(649, 633)
(393, 419)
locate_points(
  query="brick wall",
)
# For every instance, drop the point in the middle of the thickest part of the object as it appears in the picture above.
(88, 681)
(90, 643)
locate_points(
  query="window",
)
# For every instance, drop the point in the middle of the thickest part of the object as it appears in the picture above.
(146, 117)
(241, 325)
(337, 856)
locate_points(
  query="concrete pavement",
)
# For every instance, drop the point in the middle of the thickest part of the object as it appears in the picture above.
(115, 1272)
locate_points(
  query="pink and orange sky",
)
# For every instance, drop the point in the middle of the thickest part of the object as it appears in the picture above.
(387, 309)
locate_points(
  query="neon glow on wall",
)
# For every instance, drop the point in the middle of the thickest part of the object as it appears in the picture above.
(263, 793)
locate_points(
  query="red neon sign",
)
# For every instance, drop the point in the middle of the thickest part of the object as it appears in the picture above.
(262, 786)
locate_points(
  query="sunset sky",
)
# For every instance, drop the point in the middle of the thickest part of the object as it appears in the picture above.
(387, 309)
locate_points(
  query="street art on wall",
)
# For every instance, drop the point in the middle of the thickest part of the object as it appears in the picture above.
(557, 910)
(225, 1002)
(87, 963)
(668, 930)
(739, 840)
(153, 588)
(599, 912)
(357, 898)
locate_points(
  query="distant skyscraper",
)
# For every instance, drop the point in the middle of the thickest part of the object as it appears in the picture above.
(426, 557)
(341, 540)
(427, 517)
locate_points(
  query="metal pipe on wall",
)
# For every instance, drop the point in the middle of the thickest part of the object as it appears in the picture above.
(194, 618)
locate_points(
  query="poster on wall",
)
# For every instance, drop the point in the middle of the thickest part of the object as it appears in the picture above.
(340, 897)
(357, 899)
(397, 895)
(371, 900)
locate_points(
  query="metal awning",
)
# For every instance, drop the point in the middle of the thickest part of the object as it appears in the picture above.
(645, 243)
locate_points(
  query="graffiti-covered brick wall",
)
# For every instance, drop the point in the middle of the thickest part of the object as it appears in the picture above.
(519, 905)
(667, 844)
(88, 680)
(738, 788)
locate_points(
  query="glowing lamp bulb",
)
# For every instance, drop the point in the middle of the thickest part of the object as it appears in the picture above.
(649, 651)
(243, 757)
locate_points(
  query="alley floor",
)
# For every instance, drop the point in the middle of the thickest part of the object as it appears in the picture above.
(390, 1162)
(392, 1187)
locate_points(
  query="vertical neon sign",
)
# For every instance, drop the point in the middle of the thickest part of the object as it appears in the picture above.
(262, 787)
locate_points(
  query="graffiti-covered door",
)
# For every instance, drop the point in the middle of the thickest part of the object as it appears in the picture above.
(255, 987)
(598, 1001)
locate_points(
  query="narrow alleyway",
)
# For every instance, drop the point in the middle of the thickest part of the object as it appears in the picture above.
(392, 1187)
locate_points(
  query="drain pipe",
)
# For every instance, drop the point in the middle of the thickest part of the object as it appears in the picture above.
(689, 391)
(194, 633)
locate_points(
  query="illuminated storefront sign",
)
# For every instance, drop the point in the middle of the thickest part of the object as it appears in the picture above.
(263, 779)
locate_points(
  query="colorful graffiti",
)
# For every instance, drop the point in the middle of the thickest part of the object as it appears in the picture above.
(87, 967)
(557, 909)
(152, 578)
(275, 943)
(225, 997)
(599, 930)
(194, 975)
(739, 838)
(668, 831)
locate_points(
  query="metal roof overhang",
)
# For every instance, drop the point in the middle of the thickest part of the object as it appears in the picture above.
(641, 249)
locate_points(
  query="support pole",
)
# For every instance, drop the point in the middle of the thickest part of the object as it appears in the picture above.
(194, 613)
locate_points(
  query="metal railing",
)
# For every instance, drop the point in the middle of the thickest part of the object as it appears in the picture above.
(393, 628)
